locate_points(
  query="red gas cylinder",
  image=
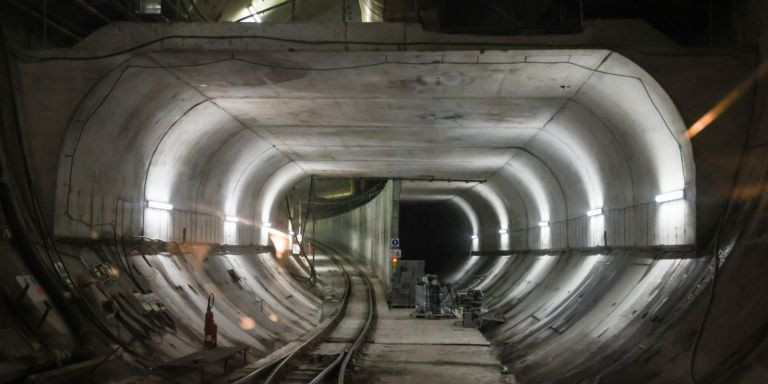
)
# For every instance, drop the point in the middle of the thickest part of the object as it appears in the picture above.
(210, 327)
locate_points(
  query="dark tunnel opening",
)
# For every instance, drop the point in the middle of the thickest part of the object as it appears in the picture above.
(436, 232)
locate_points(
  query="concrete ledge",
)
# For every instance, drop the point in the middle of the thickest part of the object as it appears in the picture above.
(124, 37)
(688, 249)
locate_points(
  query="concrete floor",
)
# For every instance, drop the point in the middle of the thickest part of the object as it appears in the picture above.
(407, 350)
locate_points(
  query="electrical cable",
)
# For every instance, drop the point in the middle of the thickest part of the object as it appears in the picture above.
(101, 363)
(38, 223)
(707, 310)
(29, 58)
(725, 213)
(36, 216)
(132, 327)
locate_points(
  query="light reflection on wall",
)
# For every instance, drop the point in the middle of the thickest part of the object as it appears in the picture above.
(491, 277)
(473, 220)
(580, 153)
(157, 224)
(532, 278)
(545, 237)
(671, 226)
(533, 184)
(596, 230)
(464, 271)
(574, 279)
(235, 185)
(230, 232)
(247, 323)
(281, 242)
(499, 209)
(280, 181)
(639, 295)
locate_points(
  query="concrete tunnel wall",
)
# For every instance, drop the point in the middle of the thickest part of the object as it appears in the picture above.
(142, 132)
(363, 233)
(258, 303)
(180, 168)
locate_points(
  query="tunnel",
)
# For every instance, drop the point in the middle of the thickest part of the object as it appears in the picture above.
(602, 185)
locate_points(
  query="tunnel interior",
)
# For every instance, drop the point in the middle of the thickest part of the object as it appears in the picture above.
(564, 157)
(542, 138)
(561, 181)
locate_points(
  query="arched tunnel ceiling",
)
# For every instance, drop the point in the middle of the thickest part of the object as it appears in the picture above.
(550, 134)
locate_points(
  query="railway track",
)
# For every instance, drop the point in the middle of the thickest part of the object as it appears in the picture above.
(303, 366)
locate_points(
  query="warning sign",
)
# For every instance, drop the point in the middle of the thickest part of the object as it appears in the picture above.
(395, 243)
(396, 253)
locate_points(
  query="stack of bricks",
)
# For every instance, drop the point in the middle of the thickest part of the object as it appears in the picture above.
(405, 275)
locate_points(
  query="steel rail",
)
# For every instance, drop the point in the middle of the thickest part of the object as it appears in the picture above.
(276, 369)
(345, 357)
(319, 378)
(363, 333)
(277, 365)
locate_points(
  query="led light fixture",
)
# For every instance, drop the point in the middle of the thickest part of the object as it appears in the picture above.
(150, 7)
(474, 237)
(595, 212)
(503, 231)
(159, 205)
(670, 196)
(266, 224)
(543, 224)
(232, 219)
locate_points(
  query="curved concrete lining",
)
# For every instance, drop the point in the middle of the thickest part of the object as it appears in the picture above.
(597, 114)
(524, 141)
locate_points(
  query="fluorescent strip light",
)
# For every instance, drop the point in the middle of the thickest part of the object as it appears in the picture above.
(232, 219)
(474, 237)
(675, 195)
(266, 224)
(503, 231)
(595, 212)
(543, 223)
(159, 205)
